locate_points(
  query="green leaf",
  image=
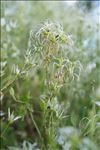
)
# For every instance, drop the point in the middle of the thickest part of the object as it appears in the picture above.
(42, 104)
(12, 93)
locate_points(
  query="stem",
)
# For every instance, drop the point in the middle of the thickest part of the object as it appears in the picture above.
(5, 130)
(35, 124)
(8, 84)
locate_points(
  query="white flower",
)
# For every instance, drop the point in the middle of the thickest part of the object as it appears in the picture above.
(11, 117)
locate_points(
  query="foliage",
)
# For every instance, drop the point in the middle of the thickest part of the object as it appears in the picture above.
(50, 84)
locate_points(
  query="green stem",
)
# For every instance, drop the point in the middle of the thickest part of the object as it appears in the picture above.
(35, 124)
(9, 83)
(5, 130)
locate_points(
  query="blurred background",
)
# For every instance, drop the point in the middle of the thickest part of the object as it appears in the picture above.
(80, 20)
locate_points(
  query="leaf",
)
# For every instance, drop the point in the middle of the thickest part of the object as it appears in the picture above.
(73, 119)
(12, 93)
(42, 104)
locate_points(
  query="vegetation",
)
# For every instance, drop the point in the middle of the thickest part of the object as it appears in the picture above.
(50, 84)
